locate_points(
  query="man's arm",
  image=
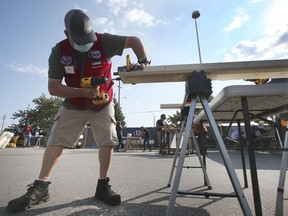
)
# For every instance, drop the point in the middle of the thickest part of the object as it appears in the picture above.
(138, 48)
(56, 88)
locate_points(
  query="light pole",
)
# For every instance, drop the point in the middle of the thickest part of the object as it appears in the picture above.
(119, 89)
(3, 120)
(153, 118)
(195, 16)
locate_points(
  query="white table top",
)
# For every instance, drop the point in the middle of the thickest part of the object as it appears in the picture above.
(264, 100)
(178, 106)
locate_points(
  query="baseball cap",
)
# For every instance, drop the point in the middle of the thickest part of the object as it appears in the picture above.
(79, 27)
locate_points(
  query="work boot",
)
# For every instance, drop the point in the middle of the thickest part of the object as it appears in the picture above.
(105, 194)
(37, 193)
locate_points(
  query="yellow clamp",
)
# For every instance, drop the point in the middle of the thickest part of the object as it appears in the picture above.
(128, 63)
(261, 81)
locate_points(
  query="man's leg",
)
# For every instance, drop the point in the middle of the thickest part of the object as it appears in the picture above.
(62, 134)
(51, 156)
(144, 143)
(29, 140)
(105, 155)
(38, 191)
(103, 190)
(148, 139)
(25, 140)
(103, 126)
(159, 139)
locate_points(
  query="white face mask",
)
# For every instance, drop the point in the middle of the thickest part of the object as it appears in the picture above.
(82, 48)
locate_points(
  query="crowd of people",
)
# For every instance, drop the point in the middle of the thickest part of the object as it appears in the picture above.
(30, 136)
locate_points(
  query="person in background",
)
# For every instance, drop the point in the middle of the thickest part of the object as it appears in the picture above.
(82, 54)
(160, 125)
(235, 135)
(200, 130)
(27, 134)
(17, 130)
(119, 131)
(146, 135)
(37, 132)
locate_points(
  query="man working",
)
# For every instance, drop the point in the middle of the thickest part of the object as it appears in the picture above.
(83, 53)
(119, 131)
(146, 135)
(160, 125)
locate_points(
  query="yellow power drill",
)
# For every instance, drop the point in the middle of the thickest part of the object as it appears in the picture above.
(94, 82)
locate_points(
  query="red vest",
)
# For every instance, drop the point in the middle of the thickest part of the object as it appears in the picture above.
(95, 65)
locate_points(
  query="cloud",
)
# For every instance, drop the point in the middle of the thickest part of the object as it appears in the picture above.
(237, 21)
(255, 1)
(116, 5)
(274, 20)
(103, 21)
(283, 39)
(27, 68)
(272, 43)
(140, 17)
(263, 48)
(98, 1)
(104, 24)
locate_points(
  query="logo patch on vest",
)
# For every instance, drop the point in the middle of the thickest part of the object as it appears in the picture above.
(69, 69)
(95, 56)
(66, 60)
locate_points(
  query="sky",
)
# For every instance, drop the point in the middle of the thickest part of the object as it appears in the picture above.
(238, 30)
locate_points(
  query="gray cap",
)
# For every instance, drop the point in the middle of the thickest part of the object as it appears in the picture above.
(79, 27)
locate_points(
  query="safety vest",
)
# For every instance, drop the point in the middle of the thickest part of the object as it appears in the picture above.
(95, 65)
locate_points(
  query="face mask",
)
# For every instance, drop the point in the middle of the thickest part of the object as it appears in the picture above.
(82, 48)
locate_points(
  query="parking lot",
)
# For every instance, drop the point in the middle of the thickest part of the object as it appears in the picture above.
(141, 178)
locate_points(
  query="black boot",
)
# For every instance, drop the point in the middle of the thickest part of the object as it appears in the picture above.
(104, 193)
(37, 193)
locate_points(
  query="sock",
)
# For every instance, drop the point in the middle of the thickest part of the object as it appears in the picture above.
(102, 178)
(43, 180)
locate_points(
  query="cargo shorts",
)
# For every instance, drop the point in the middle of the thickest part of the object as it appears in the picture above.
(70, 123)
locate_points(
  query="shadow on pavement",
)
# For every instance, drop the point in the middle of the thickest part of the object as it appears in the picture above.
(89, 206)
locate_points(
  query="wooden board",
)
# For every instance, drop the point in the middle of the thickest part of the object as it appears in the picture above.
(214, 71)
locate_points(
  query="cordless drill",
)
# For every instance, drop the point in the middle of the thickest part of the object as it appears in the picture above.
(94, 82)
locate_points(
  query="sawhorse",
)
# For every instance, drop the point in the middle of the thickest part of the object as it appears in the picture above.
(194, 141)
(197, 85)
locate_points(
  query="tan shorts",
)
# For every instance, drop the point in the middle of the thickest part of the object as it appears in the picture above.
(69, 125)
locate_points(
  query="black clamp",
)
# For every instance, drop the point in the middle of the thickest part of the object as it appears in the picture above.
(144, 60)
(198, 84)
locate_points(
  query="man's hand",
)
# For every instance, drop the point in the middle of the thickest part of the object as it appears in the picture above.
(138, 66)
(91, 92)
(137, 46)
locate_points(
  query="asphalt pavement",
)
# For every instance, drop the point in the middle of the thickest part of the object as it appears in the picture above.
(141, 179)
